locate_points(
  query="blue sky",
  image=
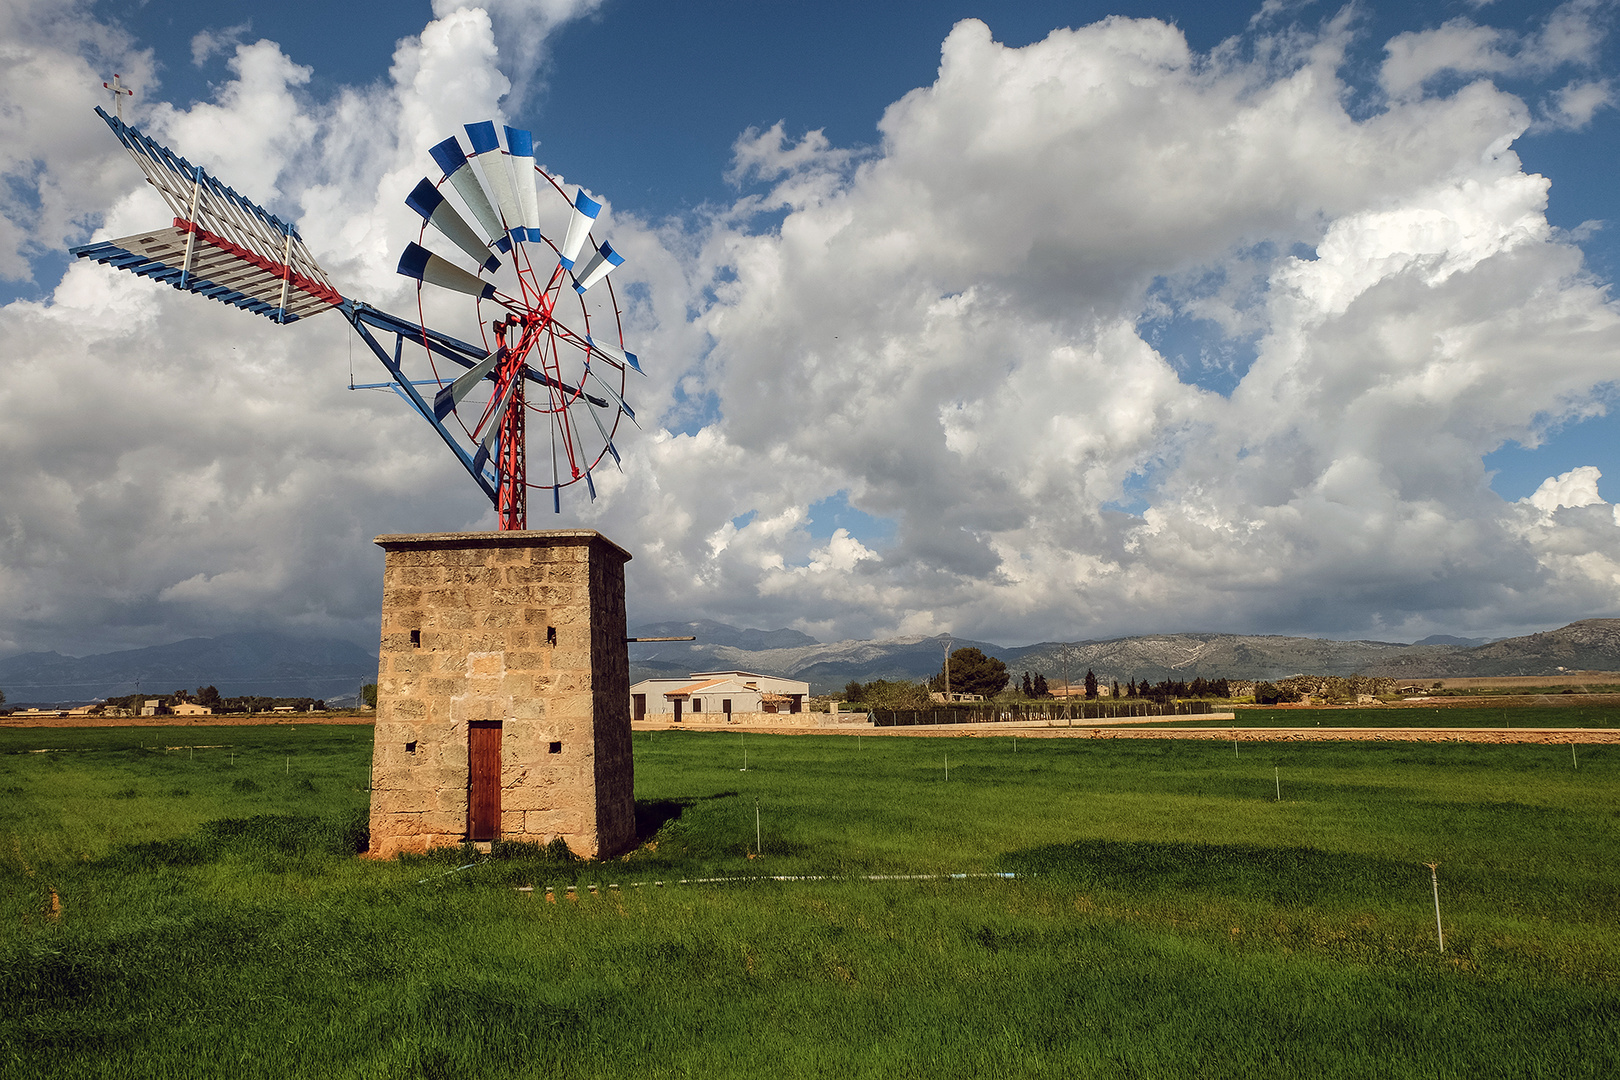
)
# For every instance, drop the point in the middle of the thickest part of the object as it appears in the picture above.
(1133, 317)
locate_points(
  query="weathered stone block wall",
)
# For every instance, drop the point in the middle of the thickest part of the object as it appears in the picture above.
(523, 628)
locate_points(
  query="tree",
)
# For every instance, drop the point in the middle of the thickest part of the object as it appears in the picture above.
(209, 696)
(1028, 688)
(368, 694)
(1270, 694)
(884, 694)
(854, 691)
(2, 697)
(1116, 690)
(972, 672)
(1041, 689)
(1091, 685)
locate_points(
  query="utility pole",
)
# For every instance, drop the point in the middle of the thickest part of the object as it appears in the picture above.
(1066, 694)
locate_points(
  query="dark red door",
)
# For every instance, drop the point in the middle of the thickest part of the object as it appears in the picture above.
(483, 779)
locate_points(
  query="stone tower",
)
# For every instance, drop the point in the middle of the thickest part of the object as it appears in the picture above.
(503, 693)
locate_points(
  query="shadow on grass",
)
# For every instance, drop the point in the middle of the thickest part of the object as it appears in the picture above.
(653, 814)
(1279, 875)
(264, 835)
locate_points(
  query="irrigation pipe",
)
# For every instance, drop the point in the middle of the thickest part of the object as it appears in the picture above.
(769, 877)
(457, 870)
(1434, 878)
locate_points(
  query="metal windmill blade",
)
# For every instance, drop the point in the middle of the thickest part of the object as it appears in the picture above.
(548, 340)
(225, 247)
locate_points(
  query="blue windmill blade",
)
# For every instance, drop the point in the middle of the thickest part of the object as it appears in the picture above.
(579, 228)
(459, 171)
(603, 263)
(487, 152)
(520, 146)
(615, 354)
(420, 263)
(437, 211)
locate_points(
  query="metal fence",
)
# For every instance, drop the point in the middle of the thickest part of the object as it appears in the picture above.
(1036, 713)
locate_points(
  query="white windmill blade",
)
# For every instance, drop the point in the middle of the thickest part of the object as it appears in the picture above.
(446, 400)
(606, 438)
(437, 211)
(579, 228)
(602, 263)
(420, 263)
(520, 145)
(614, 394)
(487, 152)
(493, 430)
(614, 353)
(458, 170)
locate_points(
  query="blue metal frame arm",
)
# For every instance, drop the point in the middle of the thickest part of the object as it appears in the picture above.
(361, 316)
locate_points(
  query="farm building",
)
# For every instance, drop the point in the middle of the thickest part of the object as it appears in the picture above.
(722, 692)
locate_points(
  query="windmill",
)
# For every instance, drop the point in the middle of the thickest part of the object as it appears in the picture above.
(551, 340)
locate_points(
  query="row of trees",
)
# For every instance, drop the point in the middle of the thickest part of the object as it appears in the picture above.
(887, 694)
(972, 672)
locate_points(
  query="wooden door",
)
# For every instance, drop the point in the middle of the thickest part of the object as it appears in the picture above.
(483, 779)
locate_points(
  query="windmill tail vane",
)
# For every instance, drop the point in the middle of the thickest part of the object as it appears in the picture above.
(549, 319)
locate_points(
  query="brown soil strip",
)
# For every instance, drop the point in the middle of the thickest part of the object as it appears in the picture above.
(20, 720)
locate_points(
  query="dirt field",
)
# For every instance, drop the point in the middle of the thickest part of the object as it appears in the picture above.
(50, 720)
(1543, 736)
(1498, 682)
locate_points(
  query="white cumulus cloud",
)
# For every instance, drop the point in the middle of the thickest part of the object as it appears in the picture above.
(957, 332)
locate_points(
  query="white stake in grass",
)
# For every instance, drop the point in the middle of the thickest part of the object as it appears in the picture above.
(1572, 762)
(1276, 774)
(745, 751)
(1434, 879)
(947, 767)
(759, 849)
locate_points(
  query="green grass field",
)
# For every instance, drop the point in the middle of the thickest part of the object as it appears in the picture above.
(1170, 916)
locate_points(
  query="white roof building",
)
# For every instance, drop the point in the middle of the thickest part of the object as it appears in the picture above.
(717, 692)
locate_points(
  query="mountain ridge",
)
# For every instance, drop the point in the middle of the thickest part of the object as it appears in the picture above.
(1589, 644)
(280, 665)
(248, 662)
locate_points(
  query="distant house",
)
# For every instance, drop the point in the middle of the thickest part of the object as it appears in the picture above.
(283, 708)
(191, 708)
(717, 692)
(150, 708)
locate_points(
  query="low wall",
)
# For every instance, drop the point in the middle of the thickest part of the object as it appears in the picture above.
(762, 719)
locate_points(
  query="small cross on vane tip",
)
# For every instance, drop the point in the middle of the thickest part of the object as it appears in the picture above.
(119, 93)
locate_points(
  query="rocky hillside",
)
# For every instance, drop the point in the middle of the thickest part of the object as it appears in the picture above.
(1588, 645)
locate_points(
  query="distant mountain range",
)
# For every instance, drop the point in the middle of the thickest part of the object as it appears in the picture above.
(1589, 645)
(278, 665)
(271, 665)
